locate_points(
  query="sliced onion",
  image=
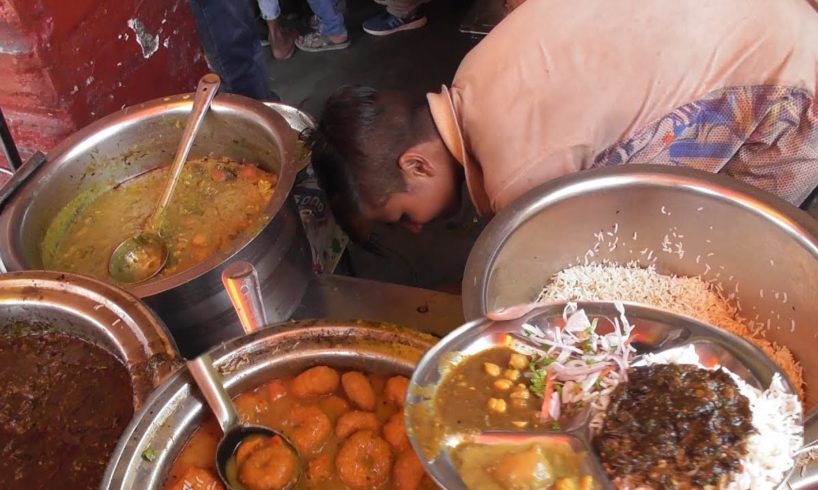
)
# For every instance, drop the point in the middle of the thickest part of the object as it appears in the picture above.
(578, 322)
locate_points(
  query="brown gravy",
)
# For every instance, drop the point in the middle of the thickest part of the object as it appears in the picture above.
(63, 404)
(675, 426)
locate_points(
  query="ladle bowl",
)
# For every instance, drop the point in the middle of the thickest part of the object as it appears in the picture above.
(234, 432)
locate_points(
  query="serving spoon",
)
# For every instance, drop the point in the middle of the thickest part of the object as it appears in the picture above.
(240, 279)
(145, 254)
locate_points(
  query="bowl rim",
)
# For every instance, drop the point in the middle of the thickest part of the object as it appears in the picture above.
(796, 222)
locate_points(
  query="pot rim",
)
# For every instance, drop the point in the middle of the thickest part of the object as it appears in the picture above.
(141, 340)
(16, 208)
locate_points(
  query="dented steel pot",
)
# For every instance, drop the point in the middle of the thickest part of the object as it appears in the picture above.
(176, 409)
(141, 138)
(97, 312)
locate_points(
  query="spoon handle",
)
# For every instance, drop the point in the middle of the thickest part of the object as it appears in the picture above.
(240, 279)
(207, 89)
(210, 384)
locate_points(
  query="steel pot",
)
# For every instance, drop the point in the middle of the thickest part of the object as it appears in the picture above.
(97, 312)
(176, 409)
(757, 246)
(143, 137)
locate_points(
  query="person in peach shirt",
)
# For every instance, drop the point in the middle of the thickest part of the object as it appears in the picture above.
(559, 87)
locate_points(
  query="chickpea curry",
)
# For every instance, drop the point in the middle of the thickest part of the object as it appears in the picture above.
(492, 391)
(348, 428)
(215, 201)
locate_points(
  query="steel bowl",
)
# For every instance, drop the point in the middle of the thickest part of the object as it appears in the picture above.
(729, 233)
(176, 409)
(655, 331)
(758, 247)
(143, 137)
(97, 312)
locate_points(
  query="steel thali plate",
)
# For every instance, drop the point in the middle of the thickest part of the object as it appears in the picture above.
(654, 331)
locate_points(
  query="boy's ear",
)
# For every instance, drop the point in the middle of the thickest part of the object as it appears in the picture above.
(414, 163)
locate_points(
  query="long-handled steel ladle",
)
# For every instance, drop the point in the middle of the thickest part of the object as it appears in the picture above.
(241, 282)
(145, 254)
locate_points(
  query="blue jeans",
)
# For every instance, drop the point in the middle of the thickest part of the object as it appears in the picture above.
(330, 18)
(227, 29)
(270, 9)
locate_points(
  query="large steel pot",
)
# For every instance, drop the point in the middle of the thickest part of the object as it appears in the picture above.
(97, 312)
(176, 409)
(754, 244)
(139, 138)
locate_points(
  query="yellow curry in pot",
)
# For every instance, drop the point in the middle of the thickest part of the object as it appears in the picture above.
(216, 200)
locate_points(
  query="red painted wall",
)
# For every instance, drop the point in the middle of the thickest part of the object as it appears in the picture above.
(65, 63)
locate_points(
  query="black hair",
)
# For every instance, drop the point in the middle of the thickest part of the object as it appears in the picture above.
(356, 146)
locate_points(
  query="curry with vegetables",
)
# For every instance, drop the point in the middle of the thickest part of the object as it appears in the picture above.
(489, 390)
(498, 390)
(215, 201)
(542, 465)
(348, 428)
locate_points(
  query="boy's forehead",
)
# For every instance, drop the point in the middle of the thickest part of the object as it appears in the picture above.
(390, 212)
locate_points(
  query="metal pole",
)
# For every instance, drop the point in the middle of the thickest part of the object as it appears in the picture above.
(9, 148)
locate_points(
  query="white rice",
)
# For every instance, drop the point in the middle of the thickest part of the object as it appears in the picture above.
(689, 296)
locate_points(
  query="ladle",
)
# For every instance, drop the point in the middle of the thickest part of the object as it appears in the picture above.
(144, 255)
(240, 279)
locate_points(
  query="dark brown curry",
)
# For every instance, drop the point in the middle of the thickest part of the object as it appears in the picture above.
(675, 426)
(63, 404)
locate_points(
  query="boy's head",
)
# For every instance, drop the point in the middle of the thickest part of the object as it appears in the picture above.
(379, 157)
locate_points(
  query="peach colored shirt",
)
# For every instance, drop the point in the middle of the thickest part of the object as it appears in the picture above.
(557, 82)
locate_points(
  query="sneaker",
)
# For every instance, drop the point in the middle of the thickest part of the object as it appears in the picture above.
(386, 24)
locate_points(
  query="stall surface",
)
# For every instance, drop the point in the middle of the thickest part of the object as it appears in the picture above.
(344, 298)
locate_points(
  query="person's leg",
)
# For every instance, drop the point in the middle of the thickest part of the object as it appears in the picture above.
(332, 32)
(227, 30)
(270, 9)
(330, 19)
(401, 15)
(282, 39)
(403, 8)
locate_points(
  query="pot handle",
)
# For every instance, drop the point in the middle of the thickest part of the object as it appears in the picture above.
(240, 279)
(210, 384)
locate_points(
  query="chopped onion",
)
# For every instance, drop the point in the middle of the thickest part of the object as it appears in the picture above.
(580, 365)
